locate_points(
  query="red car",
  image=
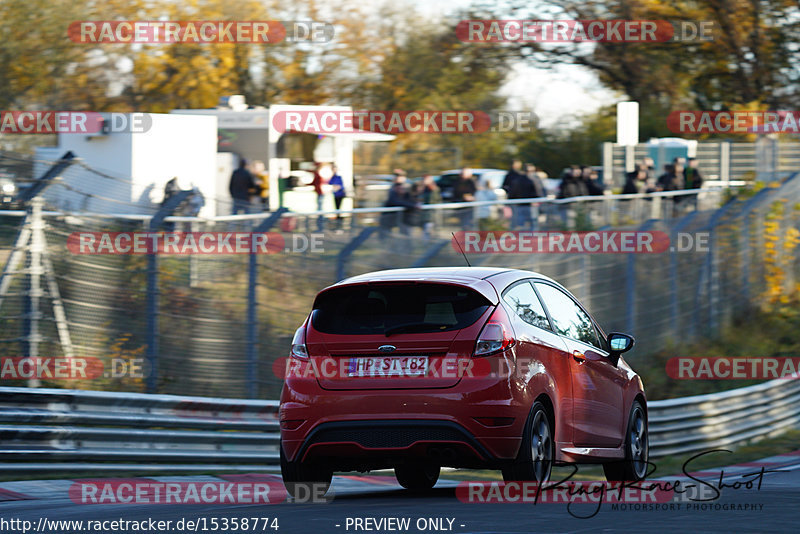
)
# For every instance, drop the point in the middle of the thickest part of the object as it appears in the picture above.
(415, 369)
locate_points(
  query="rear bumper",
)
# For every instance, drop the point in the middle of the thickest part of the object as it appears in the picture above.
(364, 445)
(374, 429)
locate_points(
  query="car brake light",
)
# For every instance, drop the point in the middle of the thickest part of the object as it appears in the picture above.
(497, 334)
(299, 349)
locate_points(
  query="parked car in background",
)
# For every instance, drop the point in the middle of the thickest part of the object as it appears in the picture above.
(379, 381)
(447, 180)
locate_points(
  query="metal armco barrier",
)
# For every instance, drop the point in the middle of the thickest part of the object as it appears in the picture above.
(48, 430)
(693, 424)
(54, 430)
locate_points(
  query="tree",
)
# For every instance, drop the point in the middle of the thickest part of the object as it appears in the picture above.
(752, 57)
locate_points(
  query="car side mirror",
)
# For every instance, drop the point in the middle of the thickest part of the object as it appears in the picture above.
(619, 343)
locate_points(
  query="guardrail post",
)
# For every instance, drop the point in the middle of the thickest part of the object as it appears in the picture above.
(252, 312)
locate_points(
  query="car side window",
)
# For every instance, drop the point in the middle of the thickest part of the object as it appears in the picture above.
(569, 319)
(525, 303)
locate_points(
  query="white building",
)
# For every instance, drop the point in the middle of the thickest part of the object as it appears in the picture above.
(251, 134)
(139, 164)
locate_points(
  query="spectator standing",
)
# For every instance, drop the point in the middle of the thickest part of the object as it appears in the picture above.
(241, 188)
(511, 185)
(464, 191)
(428, 193)
(649, 166)
(484, 193)
(671, 180)
(318, 182)
(399, 196)
(261, 177)
(590, 179)
(537, 191)
(170, 188)
(339, 193)
(635, 182)
(572, 185)
(511, 176)
(693, 179)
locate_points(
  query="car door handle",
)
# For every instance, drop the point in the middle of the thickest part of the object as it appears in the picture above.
(578, 356)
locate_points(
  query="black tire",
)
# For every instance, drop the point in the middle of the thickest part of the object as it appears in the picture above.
(301, 479)
(535, 459)
(417, 477)
(634, 466)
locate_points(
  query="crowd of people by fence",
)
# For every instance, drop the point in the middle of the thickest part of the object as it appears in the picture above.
(678, 175)
(522, 181)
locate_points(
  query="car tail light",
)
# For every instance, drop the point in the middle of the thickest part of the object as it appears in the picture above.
(299, 349)
(497, 334)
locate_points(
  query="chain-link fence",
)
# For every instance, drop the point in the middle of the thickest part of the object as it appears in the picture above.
(215, 324)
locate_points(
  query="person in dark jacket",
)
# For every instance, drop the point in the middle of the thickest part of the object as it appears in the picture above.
(400, 195)
(527, 185)
(464, 191)
(509, 182)
(671, 180)
(572, 184)
(589, 176)
(241, 188)
(693, 179)
(512, 185)
(635, 182)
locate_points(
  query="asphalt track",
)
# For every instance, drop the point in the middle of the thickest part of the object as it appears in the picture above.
(772, 508)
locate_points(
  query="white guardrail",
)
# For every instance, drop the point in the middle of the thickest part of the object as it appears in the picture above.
(54, 430)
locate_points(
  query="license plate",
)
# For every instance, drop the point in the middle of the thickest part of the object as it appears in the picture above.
(388, 366)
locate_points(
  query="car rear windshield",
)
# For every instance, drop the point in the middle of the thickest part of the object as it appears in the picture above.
(397, 309)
